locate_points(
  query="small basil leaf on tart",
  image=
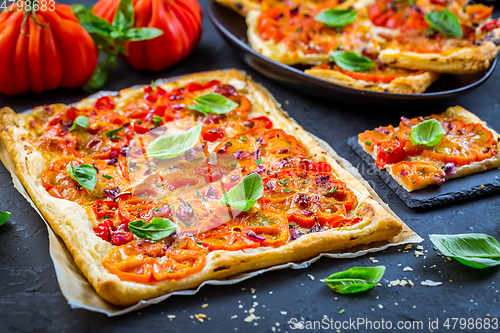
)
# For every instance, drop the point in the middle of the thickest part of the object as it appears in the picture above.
(158, 229)
(355, 279)
(171, 145)
(83, 174)
(336, 18)
(244, 195)
(351, 61)
(213, 103)
(427, 151)
(444, 21)
(473, 250)
(123, 235)
(81, 121)
(428, 133)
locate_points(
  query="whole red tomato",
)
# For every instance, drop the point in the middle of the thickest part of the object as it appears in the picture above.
(48, 50)
(180, 21)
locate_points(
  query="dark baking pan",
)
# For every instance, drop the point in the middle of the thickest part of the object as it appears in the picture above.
(233, 28)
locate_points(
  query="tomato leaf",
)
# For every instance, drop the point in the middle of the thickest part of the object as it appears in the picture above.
(473, 250)
(159, 228)
(126, 19)
(3, 217)
(336, 17)
(84, 174)
(81, 121)
(244, 195)
(214, 103)
(98, 78)
(355, 279)
(350, 61)
(136, 34)
(173, 145)
(428, 133)
(444, 21)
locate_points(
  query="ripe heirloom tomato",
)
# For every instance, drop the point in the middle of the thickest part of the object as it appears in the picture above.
(53, 51)
(389, 153)
(180, 21)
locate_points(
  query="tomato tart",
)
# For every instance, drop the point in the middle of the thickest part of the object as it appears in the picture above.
(425, 151)
(160, 188)
(379, 45)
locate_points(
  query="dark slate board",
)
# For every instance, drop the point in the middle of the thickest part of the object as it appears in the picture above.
(451, 190)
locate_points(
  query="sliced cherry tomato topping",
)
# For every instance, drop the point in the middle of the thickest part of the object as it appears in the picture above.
(104, 103)
(121, 235)
(389, 153)
(193, 86)
(103, 230)
(213, 134)
(267, 122)
(492, 25)
(103, 208)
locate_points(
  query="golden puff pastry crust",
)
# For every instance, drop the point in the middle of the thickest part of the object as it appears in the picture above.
(412, 84)
(71, 222)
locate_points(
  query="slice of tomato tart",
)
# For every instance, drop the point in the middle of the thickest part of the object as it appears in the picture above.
(425, 151)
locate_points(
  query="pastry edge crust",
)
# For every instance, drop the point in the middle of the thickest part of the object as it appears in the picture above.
(465, 170)
(467, 60)
(412, 84)
(381, 228)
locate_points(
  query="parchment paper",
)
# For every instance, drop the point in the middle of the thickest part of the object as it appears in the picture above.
(81, 295)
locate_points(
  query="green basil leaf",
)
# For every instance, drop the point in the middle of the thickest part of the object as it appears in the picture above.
(173, 145)
(428, 133)
(444, 21)
(126, 8)
(200, 108)
(158, 228)
(98, 78)
(474, 250)
(119, 23)
(100, 36)
(336, 17)
(355, 279)
(81, 121)
(350, 61)
(84, 174)
(3, 217)
(244, 195)
(112, 133)
(215, 103)
(136, 34)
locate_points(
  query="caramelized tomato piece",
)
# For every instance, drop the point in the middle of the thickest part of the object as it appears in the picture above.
(136, 209)
(259, 148)
(389, 153)
(103, 208)
(250, 230)
(371, 138)
(308, 197)
(416, 175)
(103, 230)
(56, 180)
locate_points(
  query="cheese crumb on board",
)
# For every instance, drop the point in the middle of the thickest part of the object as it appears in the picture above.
(430, 283)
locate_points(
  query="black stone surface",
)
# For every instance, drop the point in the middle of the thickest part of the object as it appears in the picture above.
(31, 301)
(452, 190)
